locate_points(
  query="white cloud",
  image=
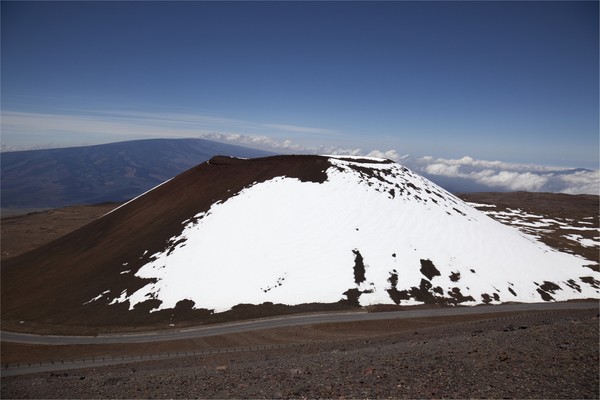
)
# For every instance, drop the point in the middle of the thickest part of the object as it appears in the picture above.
(105, 126)
(581, 182)
(72, 127)
(514, 180)
(443, 170)
(500, 178)
(94, 127)
(390, 154)
(302, 129)
(287, 145)
(261, 141)
(512, 177)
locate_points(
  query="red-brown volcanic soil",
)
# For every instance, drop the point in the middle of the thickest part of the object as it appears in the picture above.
(22, 233)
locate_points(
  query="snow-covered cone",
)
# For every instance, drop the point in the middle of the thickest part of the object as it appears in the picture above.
(372, 231)
(285, 230)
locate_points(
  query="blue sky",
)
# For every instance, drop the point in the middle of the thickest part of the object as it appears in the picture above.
(509, 81)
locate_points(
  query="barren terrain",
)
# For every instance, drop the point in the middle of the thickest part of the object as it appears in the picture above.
(21, 233)
(534, 355)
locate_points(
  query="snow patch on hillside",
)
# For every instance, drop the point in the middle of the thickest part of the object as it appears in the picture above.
(292, 242)
(535, 225)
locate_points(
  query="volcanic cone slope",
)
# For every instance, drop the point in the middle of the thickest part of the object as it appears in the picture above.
(288, 230)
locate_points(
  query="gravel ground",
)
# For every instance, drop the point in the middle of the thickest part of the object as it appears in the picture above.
(545, 355)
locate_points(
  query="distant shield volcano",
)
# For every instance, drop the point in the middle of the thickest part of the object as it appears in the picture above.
(288, 230)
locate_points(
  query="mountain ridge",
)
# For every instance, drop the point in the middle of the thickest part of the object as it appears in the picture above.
(112, 172)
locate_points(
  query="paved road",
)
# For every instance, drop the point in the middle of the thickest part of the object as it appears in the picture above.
(284, 321)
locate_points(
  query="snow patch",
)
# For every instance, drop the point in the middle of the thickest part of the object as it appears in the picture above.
(97, 297)
(582, 241)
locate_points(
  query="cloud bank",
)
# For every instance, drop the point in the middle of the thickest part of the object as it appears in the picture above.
(491, 175)
(513, 177)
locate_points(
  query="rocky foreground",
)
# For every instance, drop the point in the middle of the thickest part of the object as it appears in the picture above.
(543, 355)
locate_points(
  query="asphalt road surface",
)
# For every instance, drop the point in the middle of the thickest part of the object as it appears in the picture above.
(285, 321)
